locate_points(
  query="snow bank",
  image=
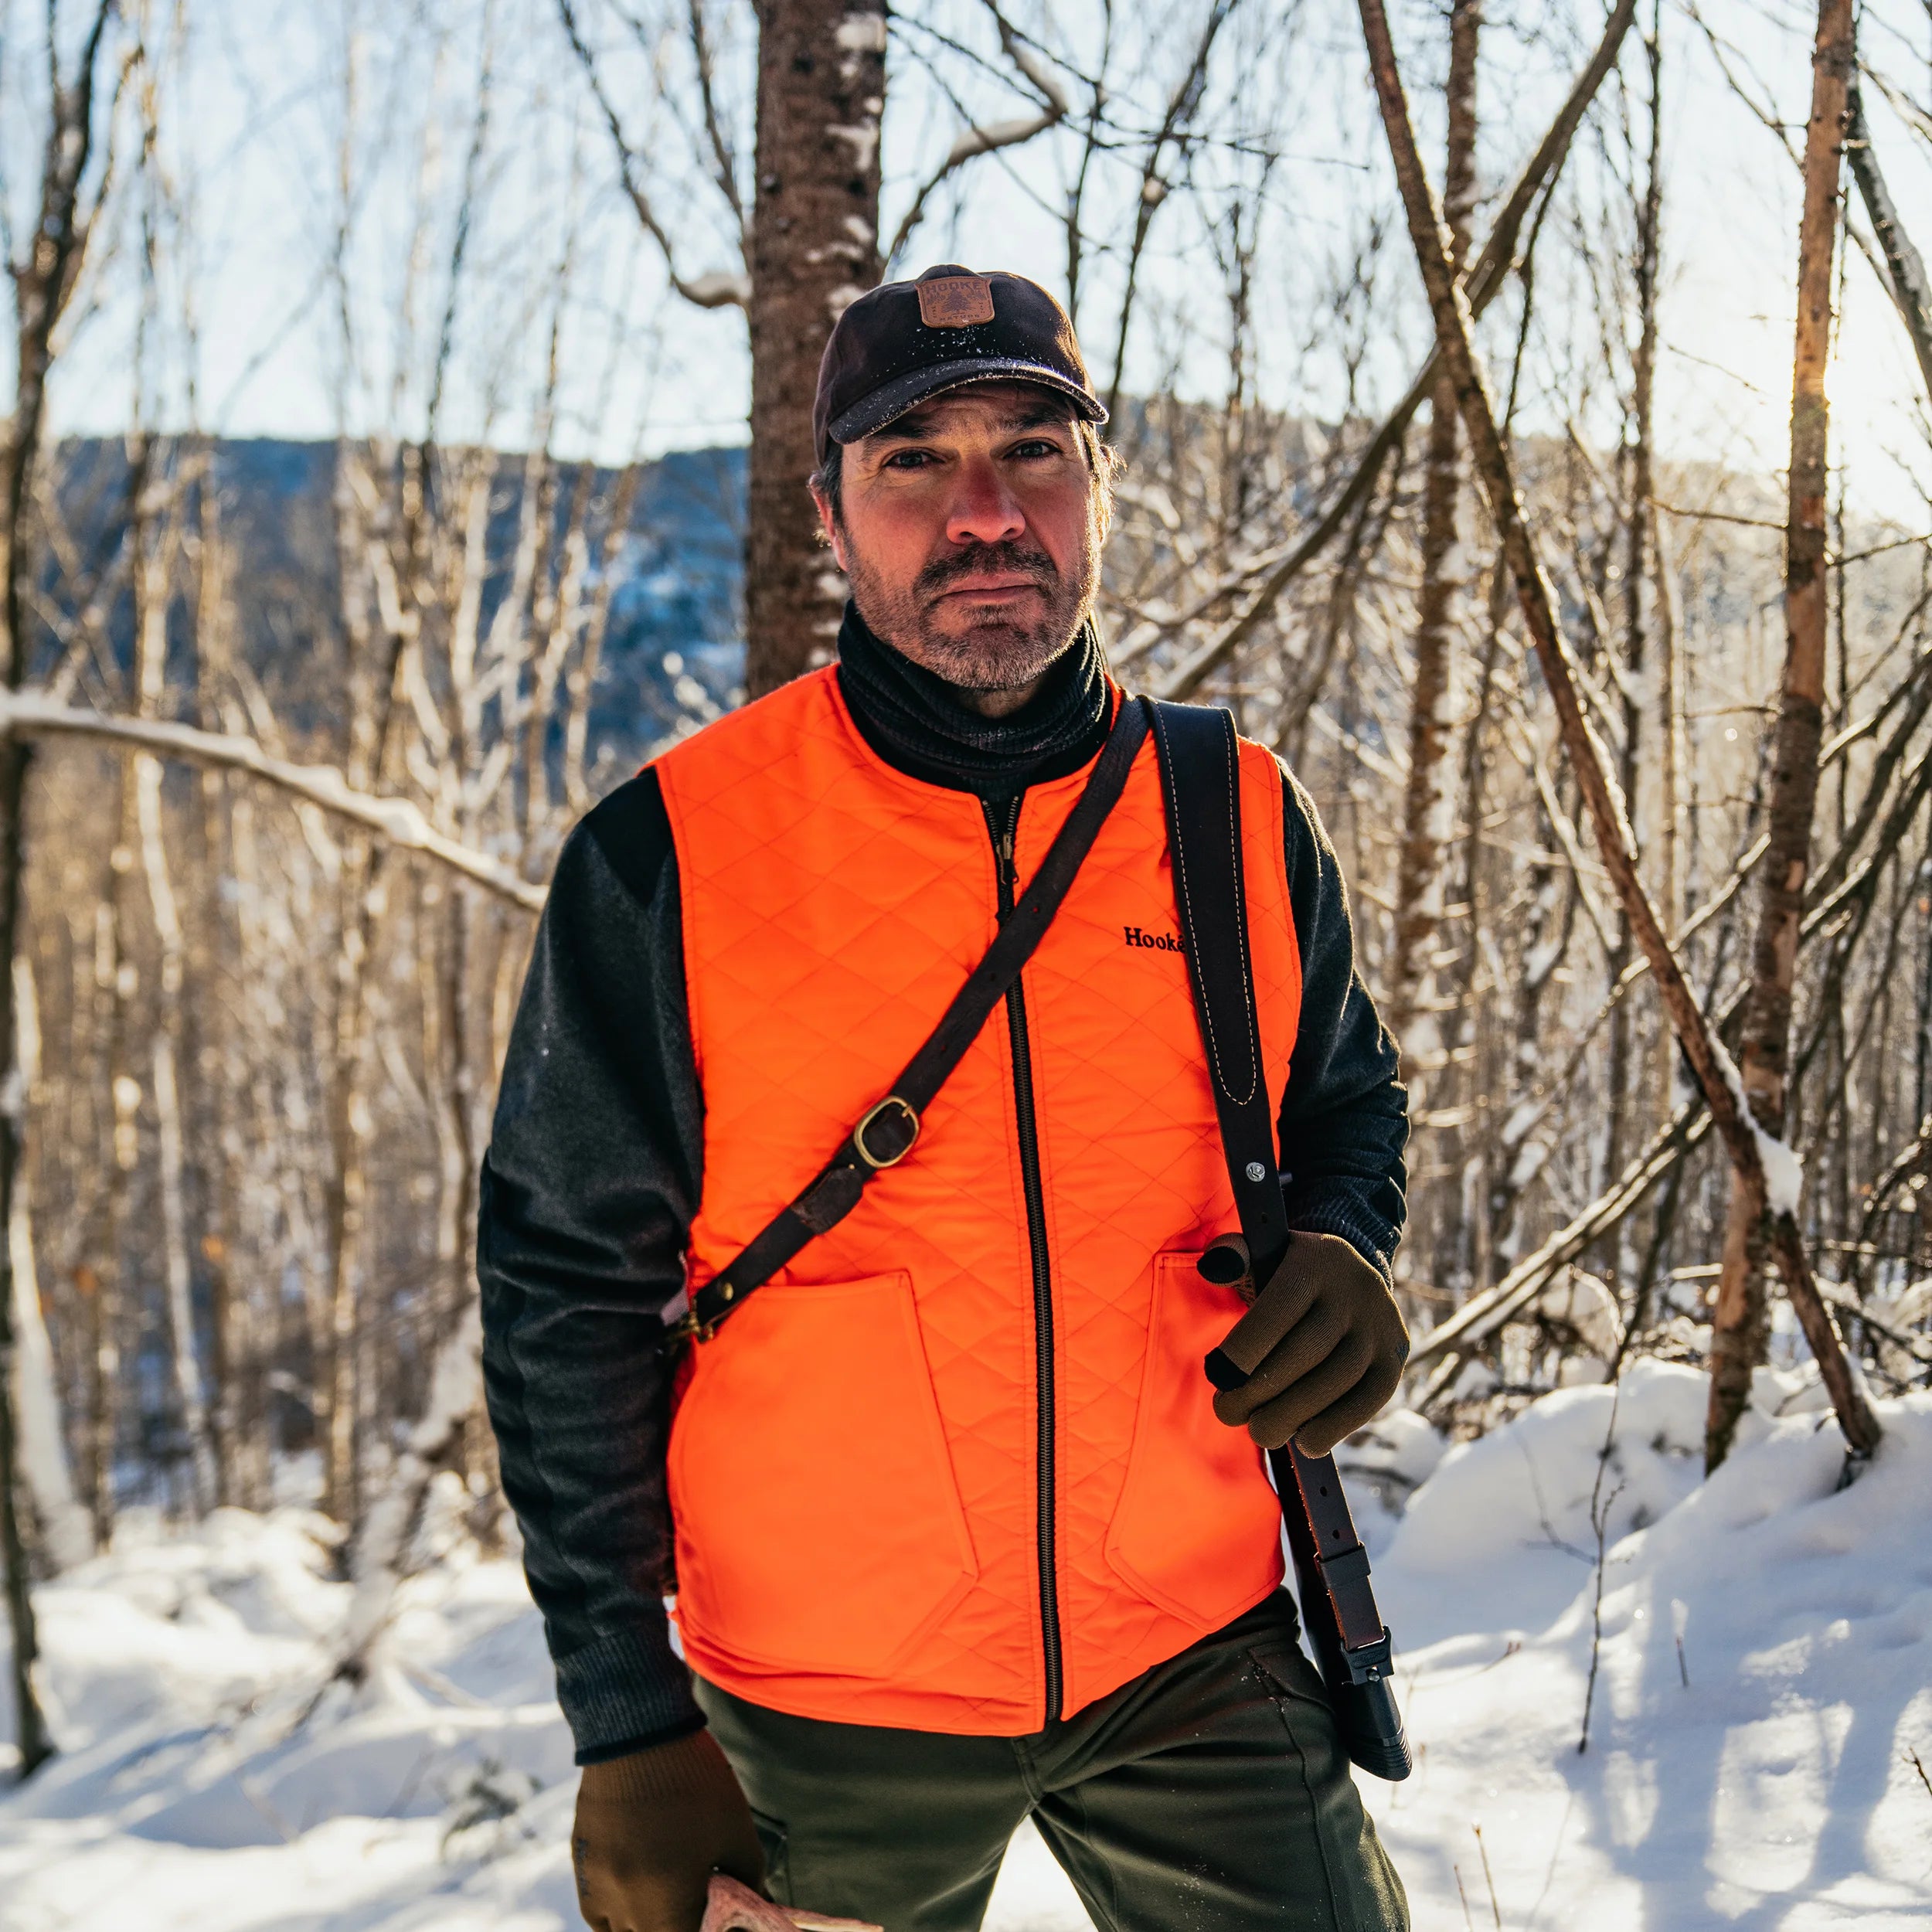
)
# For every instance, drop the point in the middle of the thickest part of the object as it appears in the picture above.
(192, 1793)
(1765, 1780)
(1761, 1774)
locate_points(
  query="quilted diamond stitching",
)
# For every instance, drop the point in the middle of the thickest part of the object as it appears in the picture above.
(797, 848)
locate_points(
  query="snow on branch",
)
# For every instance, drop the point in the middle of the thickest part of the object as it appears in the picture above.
(398, 820)
(1907, 282)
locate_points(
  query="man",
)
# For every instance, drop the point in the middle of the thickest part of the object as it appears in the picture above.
(961, 1534)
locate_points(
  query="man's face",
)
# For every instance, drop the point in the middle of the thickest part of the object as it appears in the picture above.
(970, 531)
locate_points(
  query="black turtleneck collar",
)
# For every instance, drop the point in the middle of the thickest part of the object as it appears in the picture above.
(915, 721)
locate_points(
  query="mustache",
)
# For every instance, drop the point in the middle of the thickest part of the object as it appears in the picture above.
(1009, 559)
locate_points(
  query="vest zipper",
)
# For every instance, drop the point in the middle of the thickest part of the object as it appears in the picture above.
(1026, 1122)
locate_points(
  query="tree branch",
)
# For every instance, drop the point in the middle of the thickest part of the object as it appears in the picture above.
(1482, 1314)
(398, 821)
(1904, 265)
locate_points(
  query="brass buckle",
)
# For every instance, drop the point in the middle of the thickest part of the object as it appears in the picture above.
(875, 1162)
(691, 1329)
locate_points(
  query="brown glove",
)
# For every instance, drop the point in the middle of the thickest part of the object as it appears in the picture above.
(651, 1829)
(1322, 1348)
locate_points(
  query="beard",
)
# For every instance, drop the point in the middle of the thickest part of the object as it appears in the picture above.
(978, 647)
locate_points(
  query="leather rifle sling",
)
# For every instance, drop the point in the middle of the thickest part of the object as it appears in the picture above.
(885, 1135)
(1200, 778)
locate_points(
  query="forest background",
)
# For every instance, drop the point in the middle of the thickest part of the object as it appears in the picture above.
(409, 420)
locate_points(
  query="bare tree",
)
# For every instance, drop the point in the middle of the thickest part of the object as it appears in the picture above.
(1445, 569)
(814, 248)
(43, 284)
(1740, 1324)
(1715, 1073)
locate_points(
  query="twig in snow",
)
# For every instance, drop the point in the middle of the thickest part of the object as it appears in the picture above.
(1912, 1758)
(1601, 1506)
(1464, 1897)
(1488, 1878)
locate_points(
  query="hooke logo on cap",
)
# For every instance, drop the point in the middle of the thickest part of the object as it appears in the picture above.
(955, 301)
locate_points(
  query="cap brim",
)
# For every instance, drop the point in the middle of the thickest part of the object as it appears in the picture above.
(892, 399)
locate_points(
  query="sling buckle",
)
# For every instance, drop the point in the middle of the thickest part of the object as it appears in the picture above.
(907, 1124)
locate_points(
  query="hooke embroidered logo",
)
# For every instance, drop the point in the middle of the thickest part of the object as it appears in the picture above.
(955, 301)
(1159, 942)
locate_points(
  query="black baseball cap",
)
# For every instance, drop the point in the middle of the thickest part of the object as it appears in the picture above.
(902, 342)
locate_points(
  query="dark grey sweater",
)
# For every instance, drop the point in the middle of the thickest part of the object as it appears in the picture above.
(596, 1165)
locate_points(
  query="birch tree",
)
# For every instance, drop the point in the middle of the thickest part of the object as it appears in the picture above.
(1446, 566)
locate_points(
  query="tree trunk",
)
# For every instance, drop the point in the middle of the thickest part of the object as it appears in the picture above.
(237, 1418)
(373, 659)
(1639, 518)
(113, 984)
(1739, 1324)
(151, 576)
(1445, 570)
(1549, 920)
(30, 1730)
(378, 1560)
(814, 247)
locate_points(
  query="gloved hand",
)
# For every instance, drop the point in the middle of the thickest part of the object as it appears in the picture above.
(1322, 1348)
(651, 1829)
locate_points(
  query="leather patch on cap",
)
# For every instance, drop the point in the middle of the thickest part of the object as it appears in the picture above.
(955, 301)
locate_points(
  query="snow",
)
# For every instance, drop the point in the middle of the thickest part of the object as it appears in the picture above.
(1767, 1781)
(1783, 1172)
(1583, 1304)
(1784, 1168)
(861, 33)
(721, 288)
(998, 133)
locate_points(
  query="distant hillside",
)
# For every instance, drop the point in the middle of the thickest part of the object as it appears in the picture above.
(678, 569)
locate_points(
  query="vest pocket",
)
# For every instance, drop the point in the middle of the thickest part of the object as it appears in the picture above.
(819, 1524)
(1198, 1527)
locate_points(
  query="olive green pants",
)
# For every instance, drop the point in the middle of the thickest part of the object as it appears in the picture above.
(1209, 1795)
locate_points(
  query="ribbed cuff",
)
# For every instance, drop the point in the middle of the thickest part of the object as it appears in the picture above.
(628, 1690)
(591, 1754)
(1368, 1234)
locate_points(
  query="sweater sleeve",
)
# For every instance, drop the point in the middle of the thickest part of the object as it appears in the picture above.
(1343, 1120)
(587, 1194)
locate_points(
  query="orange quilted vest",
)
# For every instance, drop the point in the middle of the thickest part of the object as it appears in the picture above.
(955, 1468)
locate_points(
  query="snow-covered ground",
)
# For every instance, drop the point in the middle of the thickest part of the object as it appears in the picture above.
(1763, 1704)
